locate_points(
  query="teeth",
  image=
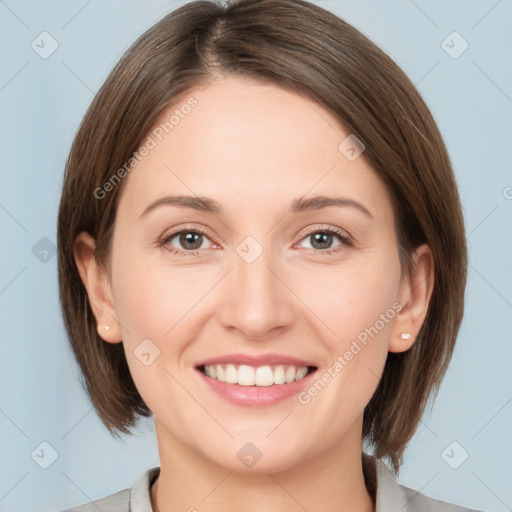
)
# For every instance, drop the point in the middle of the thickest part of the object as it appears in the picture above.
(231, 374)
(290, 374)
(279, 375)
(245, 375)
(264, 376)
(301, 373)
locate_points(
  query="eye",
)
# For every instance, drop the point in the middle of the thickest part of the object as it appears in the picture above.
(321, 240)
(186, 241)
(189, 242)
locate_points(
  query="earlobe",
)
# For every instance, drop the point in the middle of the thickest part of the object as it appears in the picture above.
(414, 297)
(96, 282)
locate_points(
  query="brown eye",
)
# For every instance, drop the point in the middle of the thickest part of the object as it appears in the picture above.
(186, 241)
(190, 240)
(322, 240)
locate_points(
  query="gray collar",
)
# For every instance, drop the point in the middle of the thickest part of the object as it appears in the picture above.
(390, 494)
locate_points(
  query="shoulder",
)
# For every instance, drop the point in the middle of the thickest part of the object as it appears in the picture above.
(136, 497)
(390, 496)
(420, 503)
(117, 502)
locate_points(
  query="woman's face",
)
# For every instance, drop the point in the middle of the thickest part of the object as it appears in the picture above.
(270, 281)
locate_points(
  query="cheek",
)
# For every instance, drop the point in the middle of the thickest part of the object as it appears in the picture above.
(156, 308)
(151, 297)
(161, 311)
(350, 299)
(355, 306)
(359, 305)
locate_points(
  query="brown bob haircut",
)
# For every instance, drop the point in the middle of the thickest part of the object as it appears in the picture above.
(307, 50)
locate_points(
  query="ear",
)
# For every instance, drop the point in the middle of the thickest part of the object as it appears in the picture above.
(414, 297)
(97, 284)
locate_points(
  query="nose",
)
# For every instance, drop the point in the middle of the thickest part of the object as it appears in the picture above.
(256, 300)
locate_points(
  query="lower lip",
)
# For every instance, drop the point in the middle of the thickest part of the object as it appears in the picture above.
(256, 396)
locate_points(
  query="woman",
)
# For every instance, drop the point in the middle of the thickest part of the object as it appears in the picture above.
(261, 244)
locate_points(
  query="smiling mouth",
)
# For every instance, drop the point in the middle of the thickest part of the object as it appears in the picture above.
(266, 375)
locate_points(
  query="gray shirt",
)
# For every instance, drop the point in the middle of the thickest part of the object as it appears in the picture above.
(387, 493)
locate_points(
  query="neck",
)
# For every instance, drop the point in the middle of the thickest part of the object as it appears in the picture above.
(332, 481)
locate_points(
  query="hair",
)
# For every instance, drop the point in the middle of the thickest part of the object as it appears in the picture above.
(305, 49)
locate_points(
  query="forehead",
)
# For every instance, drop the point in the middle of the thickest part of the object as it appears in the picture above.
(249, 145)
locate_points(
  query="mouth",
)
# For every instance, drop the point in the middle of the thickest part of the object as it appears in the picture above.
(251, 380)
(259, 376)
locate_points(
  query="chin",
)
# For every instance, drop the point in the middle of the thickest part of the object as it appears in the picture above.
(256, 457)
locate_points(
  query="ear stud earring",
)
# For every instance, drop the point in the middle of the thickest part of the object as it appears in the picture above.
(405, 335)
(107, 327)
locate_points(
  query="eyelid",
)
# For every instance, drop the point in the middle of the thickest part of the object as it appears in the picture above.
(318, 228)
(175, 230)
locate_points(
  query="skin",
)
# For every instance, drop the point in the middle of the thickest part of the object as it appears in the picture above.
(255, 148)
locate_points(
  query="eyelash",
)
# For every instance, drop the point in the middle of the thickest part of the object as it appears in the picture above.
(346, 241)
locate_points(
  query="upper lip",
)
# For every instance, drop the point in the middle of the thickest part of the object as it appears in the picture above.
(261, 360)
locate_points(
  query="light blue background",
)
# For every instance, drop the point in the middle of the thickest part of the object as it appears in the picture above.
(42, 102)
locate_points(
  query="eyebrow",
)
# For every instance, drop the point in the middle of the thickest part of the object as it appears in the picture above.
(209, 205)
